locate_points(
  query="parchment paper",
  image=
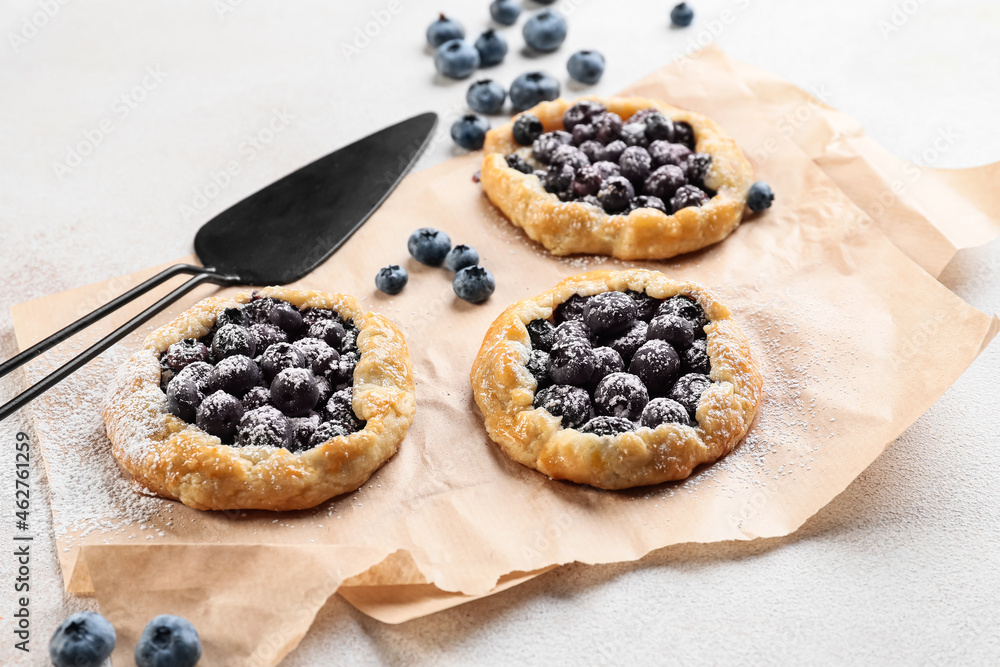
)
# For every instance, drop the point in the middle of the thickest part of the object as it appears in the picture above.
(856, 341)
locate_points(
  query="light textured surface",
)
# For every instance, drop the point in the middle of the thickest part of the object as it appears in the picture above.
(900, 569)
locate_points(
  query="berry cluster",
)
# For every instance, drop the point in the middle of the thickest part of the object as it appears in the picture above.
(432, 247)
(266, 374)
(618, 361)
(644, 161)
(86, 639)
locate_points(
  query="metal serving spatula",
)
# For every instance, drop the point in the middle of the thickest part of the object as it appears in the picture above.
(272, 237)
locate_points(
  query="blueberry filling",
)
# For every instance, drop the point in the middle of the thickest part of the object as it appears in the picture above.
(267, 374)
(619, 361)
(647, 161)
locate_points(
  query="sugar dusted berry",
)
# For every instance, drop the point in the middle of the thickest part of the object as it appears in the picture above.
(664, 411)
(657, 365)
(664, 182)
(674, 329)
(696, 359)
(621, 395)
(294, 391)
(627, 343)
(572, 363)
(570, 403)
(608, 426)
(688, 390)
(234, 375)
(279, 357)
(686, 196)
(526, 129)
(219, 415)
(615, 194)
(609, 313)
(185, 352)
(232, 339)
(636, 164)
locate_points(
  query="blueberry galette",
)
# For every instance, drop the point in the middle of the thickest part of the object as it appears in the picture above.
(275, 399)
(617, 379)
(628, 177)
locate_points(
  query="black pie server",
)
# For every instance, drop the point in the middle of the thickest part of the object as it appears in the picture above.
(273, 237)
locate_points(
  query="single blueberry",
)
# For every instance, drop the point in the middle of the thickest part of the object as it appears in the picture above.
(391, 279)
(636, 164)
(330, 332)
(586, 66)
(684, 134)
(328, 431)
(230, 316)
(688, 390)
(645, 304)
(621, 395)
(303, 429)
(606, 425)
(608, 361)
(659, 127)
(615, 194)
(664, 182)
(609, 129)
(674, 329)
(542, 334)
(505, 12)
(219, 415)
(629, 342)
(571, 331)
(527, 128)
(286, 317)
(257, 397)
(266, 335)
(469, 131)
(492, 48)
(572, 363)
(570, 403)
(696, 359)
(587, 181)
(265, 426)
(687, 196)
(232, 339)
(665, 152)
(168, 641)
(649, 201)
(460, 257)
(444, 30)
(664, 411)
(760, 196)
(326, 363)
(456, 59)
(518, 163)
(486, 96)
(199, 372)
(545, 146)
(294, 391)
(234, 375)
(185, 352)
(538, 366)
(532, 88)
(634, 134)
(572, 308)
(429, 246)
(681, 15)
(278, 357)
(184, 397)
(84, 639)
(657, 364)
(609, 313)
(545, 31)
(473, 284)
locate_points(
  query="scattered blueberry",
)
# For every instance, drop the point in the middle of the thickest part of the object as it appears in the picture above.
(505, 12)
(168, 641)
(532, 88)
(681, 15)
(486, 96)
(219, 415)
(444, 30)
(456, 59)
(473, 284)
(527, 128)
(428, 246)
(469, 131)
(391, 279)
(586, 66)
(760, 196)
(84, 639)
(545, 31)
(294, 391)
(492, 48)
(460, 257)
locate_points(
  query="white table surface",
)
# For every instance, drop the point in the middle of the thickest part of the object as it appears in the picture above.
(902, 568)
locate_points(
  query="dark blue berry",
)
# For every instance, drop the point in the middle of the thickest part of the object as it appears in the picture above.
(230, 316)
(486, 96)
(570, 331)
(605, 425)
(219, 415)
(199, 372)
(469, 131)
(473, 284)
(607, 361)
(586, 66)
(542, 334)
(492, 48)
(559, 178)
(518, 163)
(688, 390)
(627, 343)
(687, 195)
(659, 127)
(185, 352)
(326, 363)
(664, 411)
(538, 366)
(391, 279)
(649, 201)
(609, 129)
(258, 309)
(84, 639)
(664, 182)
(545, 31)
(584, 112)
(257, 397)
(696, 166)
(674, 329)
(684, 134)
(286, 317)
(613, 153)
(657, 365)
(303, 429)
(233, 339)
(609, 313)
(569, 156)
(330, 332)
(278, 357)
(460, 257)
(429, 246)
(634, 134)
(635, 164)
(328, 431)
(266, 335)
(545, 146)
(645, 305)
(606, 169)
(594, 150)
(527, 128)
(587, 181)
(570, 403)
(572, 308)
(184, 397)
(444, 30)
(760, 196)
(340, 409)
(696, 359)
(294, 391)
(664, 152)
(572, 363)
(615, 194)
(234, 375)
(681, 15)
(621, 395)
(265, 427)
(583, 133)
(456, 59)
(687, 308)
(168, 641)
(531, 88)
(505, 12)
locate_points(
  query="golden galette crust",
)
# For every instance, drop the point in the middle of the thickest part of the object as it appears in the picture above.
(575, 227)
(504, 390)
(178, 460)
